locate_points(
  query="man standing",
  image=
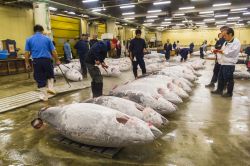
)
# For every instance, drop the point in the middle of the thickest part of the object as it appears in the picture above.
(191, 47)
(93, 41)
(217, 64)
(167, 48)
(96, 56)
(184, 54)
(229, 52)
(40, 48)
(136, 50)
(118, 47)
(203, 49)
(82, 47)
(67, 51)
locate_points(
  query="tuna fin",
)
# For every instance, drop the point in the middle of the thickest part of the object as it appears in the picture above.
(139, 107)
(122, 120)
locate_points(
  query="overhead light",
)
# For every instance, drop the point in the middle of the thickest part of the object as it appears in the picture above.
(221, 4)
(209, 20)
(180, 14)
(207, 12)
(129, 18)
(87, 1)
(117, 22)
(180, 24)
(150, 20)
(248, 22)
(247, 13)
(233, 18)
(73, 13)
(162, 3)
(65, 11)
(129, 13)
(52, 9)
(231, 23)
(205, 26)
(186, 21)
(221, 22)
(151, 16)
(220, 15)
(166, 23)
(127, 6)
(147, 24)
(199, 23)
(97, 10)
(239, 9)
(154, 11)
(125, 24)
(240, 24)
(186, 8)
(168, 19)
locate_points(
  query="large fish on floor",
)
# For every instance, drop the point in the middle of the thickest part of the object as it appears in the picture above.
(97, 125)
(130, 108)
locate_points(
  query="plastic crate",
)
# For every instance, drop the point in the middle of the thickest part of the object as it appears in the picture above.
(4, 54)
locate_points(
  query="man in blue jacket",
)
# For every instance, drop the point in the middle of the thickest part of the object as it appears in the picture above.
(184, 54)
(95, 57)
(167, 49)
(82, 47)
(67, 51)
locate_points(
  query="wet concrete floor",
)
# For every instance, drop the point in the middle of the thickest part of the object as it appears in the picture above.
(207, 130)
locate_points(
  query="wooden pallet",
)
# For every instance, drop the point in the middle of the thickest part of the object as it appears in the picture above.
(24, 99)
(100, 151)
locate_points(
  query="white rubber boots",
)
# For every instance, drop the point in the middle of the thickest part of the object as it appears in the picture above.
(51, 89)
(44, 91)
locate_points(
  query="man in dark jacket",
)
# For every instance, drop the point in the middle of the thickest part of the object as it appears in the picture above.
(97, 54)
(93, 40)
(191, 47)
(167, 48)
(217, 64)
(184, 54)
(82, 47)
(136, 49)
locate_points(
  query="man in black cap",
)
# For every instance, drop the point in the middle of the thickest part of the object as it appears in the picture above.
(95, 57)
(82, 47)
(136, 49)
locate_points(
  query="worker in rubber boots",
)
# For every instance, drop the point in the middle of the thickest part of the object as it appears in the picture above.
(167, 49)
(41, 48)
(217, 64)
(229, 57)
(95, 57)
(137, 49)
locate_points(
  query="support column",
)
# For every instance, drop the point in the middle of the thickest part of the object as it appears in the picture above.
(111, 27)
(42, 16)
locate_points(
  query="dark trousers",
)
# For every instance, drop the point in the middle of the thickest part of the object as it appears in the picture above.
(201, 53)
(167, 55)
(226, 78)
(43, 70)
(97, 80)
(184, 57)
(216, 72)
(118, 53)
(139, 61)
(83, 65)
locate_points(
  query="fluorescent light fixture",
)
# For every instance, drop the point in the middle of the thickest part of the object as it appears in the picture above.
(247, 13)
(180, 14)
(151, 16)
(150, 20)
(220, 15)
(154, 11)
(166, 23)
(233, 18)
(179, 24)
(129, 13)
(221, 4)
(147, 24)
(127, 6)
(73, 13)
(205, 26)
(240, 24)
(239, 9)
(231, 23)
(162, 3)
(125, 24)
(52, 9)
(168, 19)
(209, 20)
(186, 8)
(248, 22)
(96, 10)
(200, 23)
(87, 1)
(221, 22)
(129, 18)
(117, 22)
(207, 12)
(187, 21)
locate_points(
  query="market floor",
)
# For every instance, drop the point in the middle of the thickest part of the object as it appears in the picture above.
(206, 130)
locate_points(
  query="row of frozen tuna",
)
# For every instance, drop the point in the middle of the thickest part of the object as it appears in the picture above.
(130, 115)
(72, 70)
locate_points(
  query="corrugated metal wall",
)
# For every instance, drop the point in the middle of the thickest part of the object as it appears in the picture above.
(64, 28)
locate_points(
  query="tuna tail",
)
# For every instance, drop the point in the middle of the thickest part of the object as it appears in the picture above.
(37, 123)
(164, 120)
(157, 133)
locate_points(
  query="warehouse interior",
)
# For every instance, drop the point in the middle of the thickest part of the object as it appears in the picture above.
(203, 129)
